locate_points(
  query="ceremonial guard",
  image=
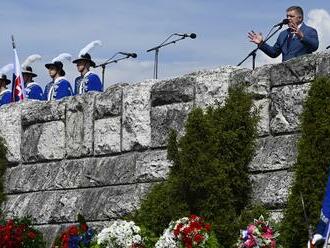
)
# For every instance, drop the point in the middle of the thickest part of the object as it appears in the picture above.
(59, 87)
(5, 94)
(87, 81)
(33, 90)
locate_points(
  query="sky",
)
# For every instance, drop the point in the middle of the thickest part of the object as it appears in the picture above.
(49, 28)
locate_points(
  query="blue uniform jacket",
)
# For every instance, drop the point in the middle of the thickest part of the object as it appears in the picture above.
(33, 91)
(89, 82)
(297, 47)
(58, 89)
(5, 97)
(325, 211)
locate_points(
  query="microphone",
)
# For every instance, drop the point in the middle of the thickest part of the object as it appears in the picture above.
(133, 55)
(191, 35)
(284, 22)
(328, 47)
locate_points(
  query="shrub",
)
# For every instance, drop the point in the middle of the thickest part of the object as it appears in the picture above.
(312, 167)
(209, 176)
(3, 165)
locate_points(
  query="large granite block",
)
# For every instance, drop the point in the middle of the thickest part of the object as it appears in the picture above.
(48, 207)
(107, 136)
(70, 174)
(136, 116)
(271, 189)
(11, 131)
(259, 81)
(286, 107)
(323, 64)
(212, 86)
(44, 141)
(80, 125)
(152, 166)
(298, 70)
(166, 117)
(275, 153)
(109, 103)
(41, 111)
(263, 108)
(181, 89)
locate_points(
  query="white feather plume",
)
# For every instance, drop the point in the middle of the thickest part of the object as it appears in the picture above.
(89, 47)
(62, 57)
(31, 59)
(7, 68)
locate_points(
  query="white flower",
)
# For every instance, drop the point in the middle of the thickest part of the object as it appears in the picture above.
(120, 234)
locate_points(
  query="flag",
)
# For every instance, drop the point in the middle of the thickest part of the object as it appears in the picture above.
(18, 91)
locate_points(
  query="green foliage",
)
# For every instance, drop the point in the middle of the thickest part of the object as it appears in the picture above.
(3, 165)
(209, 176)
(312, 167)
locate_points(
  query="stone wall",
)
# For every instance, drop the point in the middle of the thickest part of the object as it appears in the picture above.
(98, 154)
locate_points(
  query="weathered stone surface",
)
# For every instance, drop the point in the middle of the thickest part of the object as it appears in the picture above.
(212, 86)
(63, 206)
(40, 111)
(298, 70)
(276, 215)
(271, 188)
(136, 116)
(152, 166)
(44, 141)
(263, 108)
(286, 107)
(171, 91)
(259, 81)
(239, 76)
(109, 103)
(275, 153)
(80, 125)
(323, 64)
(11, 131)
(165, 117)
(87, 172)
(107, 139)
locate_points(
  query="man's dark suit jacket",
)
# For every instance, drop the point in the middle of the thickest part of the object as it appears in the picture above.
(296, 47)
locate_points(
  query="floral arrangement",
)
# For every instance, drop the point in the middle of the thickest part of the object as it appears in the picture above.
(16, 233)
(186, 232)
(75, 236)
(258, 235)
(121, 234)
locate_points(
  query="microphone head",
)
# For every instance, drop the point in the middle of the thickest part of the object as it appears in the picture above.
(133, 55)
(285, 21)
(192, 35)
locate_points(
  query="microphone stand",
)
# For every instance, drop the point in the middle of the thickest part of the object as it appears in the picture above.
(109, 61)
(253, 53)
(156, 49)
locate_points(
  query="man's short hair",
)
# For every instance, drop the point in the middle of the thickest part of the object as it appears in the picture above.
(298, 9)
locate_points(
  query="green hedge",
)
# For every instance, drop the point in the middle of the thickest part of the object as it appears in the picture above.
(3, 165)
(312, 167)
(209, 176)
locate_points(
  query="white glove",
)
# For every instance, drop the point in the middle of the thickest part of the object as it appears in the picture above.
(317, 237)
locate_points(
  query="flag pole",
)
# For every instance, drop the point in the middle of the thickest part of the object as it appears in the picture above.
(13, 41)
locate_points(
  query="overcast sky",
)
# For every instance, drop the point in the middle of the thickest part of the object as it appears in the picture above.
(51, 27)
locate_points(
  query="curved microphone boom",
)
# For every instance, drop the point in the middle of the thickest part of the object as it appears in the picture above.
(284, 22)
(133, 55)
(191, 35)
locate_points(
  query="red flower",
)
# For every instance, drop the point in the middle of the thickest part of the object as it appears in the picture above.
(32, 235)
(73, 230)
(84, 227)
(208, 227)
(198, 238)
